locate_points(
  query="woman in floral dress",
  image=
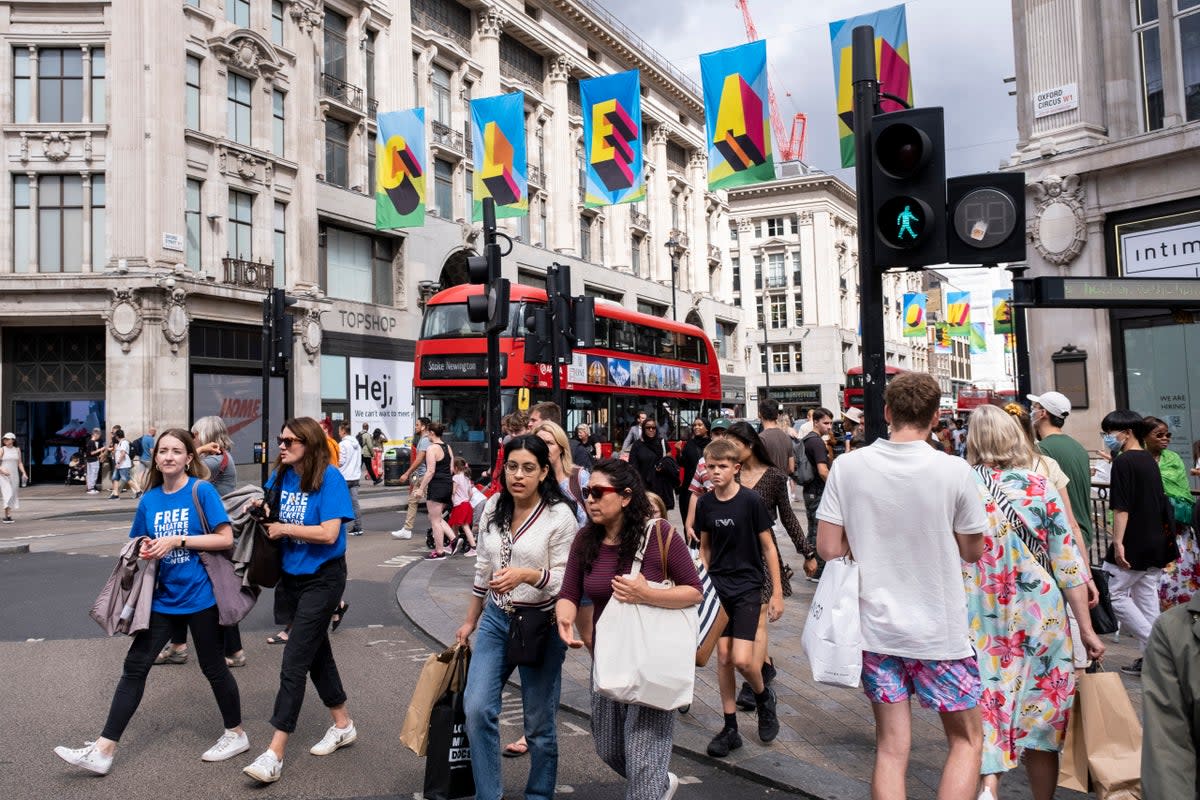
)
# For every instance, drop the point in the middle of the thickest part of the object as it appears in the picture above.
(1018, 617)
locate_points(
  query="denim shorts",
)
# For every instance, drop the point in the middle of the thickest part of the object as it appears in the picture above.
(944, 686)
(123, 474)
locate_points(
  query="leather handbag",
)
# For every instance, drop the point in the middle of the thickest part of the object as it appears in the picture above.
(266, 560)
(529, 629)
(1104, 619)
(234, 600)
(644, 654)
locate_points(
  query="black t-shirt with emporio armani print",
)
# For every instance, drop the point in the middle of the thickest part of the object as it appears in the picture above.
(735, 555)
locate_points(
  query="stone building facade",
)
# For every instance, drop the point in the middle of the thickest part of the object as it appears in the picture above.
(166, 163)
(1109, 141)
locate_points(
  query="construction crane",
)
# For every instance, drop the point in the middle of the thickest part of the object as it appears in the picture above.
(791, 148)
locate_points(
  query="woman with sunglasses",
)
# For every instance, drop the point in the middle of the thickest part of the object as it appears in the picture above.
(525, 536)
(1179, 580)
(645, 456)
(634, 740)
(314, 505)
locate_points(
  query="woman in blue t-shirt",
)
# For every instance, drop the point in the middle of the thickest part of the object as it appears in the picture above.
(183, 593)
(313, 505)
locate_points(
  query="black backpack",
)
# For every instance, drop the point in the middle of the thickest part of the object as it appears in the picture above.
(135, 447)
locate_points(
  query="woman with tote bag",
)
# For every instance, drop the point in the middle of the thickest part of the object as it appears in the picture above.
(183, 594)
(635, 740)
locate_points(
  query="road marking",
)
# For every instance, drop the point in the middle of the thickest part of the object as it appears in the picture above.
(689, 779)
(400, 561)
(34, 641)
(34, 536)
(376, 625)
(565, 789)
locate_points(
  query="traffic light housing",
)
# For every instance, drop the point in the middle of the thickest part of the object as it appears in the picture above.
(584, 323)
(985, 218)
(281, 332)
(537, 339)
(491, 307)
(908, 184)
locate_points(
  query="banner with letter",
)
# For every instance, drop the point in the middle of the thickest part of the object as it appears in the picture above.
(1002, 321)
(1010, 343)
(400, 170)
(737, 115)
(501, 170)
(941, 341)
(958, 313)
(612, 139)
(978, 339)
(891, 61)
(381, 395)
(914, 313)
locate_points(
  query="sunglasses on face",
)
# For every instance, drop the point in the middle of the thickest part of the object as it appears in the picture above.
(597, 493)
(288, 441)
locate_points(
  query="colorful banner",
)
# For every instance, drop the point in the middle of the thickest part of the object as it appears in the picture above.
(400, 170)
(1002, 311)
(958, 313)
(978, 339)
(612, 139)
(737, 116)
(1010, 343)
(891, 61)
(941, 340)
(914, 313)
(501, 171)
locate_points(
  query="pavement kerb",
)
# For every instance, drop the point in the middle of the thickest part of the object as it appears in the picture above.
(13, 548)
(773, 769)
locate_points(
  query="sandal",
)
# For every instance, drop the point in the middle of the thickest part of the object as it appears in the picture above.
(279, 638)
(338, 615)
(515, 749)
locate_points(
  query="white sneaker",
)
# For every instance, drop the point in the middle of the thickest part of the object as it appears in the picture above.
(403, 533)
(335, 738)
(986, 794)
(229, 745)
(266, 768)
(89, 757)
(672, 786)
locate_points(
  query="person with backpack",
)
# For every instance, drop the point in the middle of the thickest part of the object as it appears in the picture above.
(367, 442)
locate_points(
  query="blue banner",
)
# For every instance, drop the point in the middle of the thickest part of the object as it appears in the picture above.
(612, 139)
(501, 170)
(400, 170)
(737, 116)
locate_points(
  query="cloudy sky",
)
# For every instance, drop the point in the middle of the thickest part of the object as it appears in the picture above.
(961, 52)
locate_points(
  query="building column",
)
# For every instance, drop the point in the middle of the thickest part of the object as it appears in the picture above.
(561, 161)
(697, 280)
(130, 151)
(659, 208)
(33, 87)
(33, 221)
(87, 219)
(87, 83)
(487, 51)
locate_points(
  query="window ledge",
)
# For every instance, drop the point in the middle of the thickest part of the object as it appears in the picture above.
(64, 127)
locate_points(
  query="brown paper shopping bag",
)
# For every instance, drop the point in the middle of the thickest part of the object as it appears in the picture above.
(1072, 761)
(431, 685)
(1112, 735)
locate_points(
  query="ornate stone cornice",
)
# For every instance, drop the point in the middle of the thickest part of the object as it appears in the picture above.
(247, 51)
(660, 135)
(309, 15)
(560, 67)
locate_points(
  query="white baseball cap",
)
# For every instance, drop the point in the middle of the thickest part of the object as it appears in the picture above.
(1054, 402)
(12, 436)
(855, 415)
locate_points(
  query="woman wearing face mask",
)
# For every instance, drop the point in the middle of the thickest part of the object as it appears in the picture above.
(524, 540)
(1143, 537)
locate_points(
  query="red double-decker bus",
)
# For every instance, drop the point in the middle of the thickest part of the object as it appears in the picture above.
(640, 363)
(853, 393)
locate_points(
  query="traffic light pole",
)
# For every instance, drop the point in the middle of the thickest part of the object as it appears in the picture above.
(553, 289)
(264, 409)
(866, 101)
(1020, 340)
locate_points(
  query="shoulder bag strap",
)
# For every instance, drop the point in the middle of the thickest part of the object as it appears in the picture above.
(664, 546)
(641, 552)
(1035, 545)
(199, 508)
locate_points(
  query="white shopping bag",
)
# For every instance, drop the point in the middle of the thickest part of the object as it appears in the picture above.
(832, 636)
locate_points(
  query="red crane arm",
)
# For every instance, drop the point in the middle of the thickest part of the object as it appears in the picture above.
(792, 148)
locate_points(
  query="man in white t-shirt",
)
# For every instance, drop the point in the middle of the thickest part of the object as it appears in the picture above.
(909, 513)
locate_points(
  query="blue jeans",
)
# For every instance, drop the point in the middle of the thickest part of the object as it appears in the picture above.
(540, 688)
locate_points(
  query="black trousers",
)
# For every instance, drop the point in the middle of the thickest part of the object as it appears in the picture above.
(206, 634)
(368, 464)
(231, 636)
(309, 601)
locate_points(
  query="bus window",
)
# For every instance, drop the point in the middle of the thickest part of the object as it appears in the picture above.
(449, 320)
(602, 332)
(623, 335)
(666, 344)
(691, 349)
(647, 340)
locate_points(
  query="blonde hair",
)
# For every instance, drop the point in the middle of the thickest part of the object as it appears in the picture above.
(560, 439)
(995, 438)
(660, 507)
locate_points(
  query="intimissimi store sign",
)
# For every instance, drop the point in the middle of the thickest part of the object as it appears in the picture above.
(1160, 247)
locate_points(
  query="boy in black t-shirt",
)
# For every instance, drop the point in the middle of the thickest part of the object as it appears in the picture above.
(735, 541)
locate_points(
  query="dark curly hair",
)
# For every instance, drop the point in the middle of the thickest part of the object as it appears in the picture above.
(548, 488)
(625, 479)
(745, 433)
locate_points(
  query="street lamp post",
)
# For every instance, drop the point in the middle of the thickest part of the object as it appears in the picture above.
(675, 250)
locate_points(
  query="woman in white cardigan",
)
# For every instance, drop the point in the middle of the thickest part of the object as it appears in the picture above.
(526, 532)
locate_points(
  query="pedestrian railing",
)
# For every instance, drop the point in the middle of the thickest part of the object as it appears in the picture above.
(1101, 524)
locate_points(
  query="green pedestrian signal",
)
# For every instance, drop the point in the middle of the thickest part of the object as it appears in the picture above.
(902, 221)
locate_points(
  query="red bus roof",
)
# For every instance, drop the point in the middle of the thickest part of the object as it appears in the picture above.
(890, 370)
(604, 308)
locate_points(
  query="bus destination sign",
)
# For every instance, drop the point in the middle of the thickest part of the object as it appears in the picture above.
(457, 367)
